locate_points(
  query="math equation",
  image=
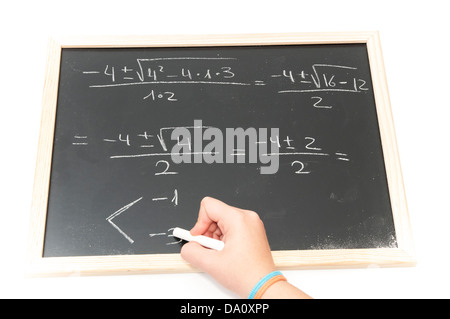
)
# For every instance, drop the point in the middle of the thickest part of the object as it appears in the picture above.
(223, 71)
(143, 134)
(162, 78)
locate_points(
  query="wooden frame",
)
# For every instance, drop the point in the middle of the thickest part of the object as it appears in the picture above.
(308, 259)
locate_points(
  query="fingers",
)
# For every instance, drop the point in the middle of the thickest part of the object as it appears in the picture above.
(213, 211)
(199, 256)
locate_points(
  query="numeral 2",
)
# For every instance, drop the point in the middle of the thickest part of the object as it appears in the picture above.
(302, 167)
(166, 171)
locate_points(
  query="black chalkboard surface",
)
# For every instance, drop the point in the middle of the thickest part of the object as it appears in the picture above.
(114, 104)
(307, 152)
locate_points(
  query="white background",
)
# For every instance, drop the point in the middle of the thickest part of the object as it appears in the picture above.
(414, 37)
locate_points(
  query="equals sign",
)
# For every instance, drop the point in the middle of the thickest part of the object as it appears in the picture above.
(80, 140)
(260, 83)
(342, 157)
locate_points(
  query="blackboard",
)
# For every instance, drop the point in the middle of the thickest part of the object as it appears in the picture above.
(115, 188)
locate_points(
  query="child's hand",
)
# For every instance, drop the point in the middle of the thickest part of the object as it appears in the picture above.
(246, 257)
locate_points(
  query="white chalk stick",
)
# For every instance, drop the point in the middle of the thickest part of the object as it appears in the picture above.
(202, 240)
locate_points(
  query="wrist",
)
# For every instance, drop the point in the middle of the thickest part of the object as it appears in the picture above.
(275, 291)
(265, 283)
(284, 290)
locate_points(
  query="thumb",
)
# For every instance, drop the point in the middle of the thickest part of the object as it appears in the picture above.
(199, 256)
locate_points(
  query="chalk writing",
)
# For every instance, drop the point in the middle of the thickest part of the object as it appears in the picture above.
(117, 213)
(109, 219)
(137, 146)
(324, 78)
(161, 78)
(224, 71)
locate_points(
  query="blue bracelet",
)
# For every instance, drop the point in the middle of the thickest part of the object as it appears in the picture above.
(262, 282)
